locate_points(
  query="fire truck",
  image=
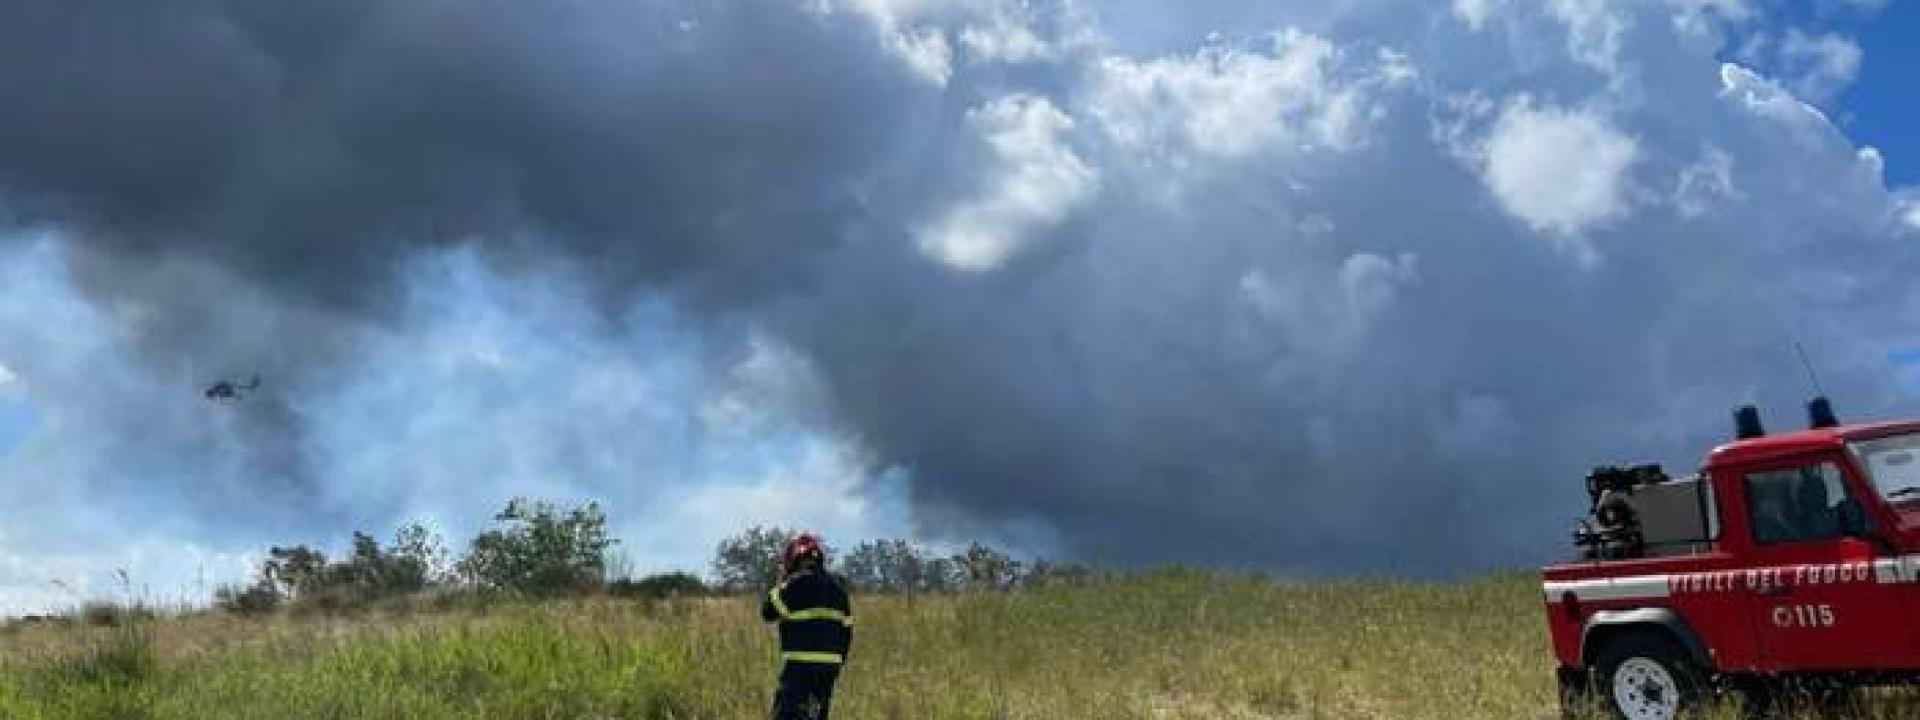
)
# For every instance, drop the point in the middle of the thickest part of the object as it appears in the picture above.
(1789, 560)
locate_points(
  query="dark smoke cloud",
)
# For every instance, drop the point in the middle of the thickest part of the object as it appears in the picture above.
(1366, 287)
(306, 145)
(212, 157)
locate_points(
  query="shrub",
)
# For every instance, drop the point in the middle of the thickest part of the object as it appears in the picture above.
(109, 614)
(882, 566)
(542, 550)
(1044, 573)
(255, 599)
(986, 568)
(293, 571)
(304, 576)
(662, 585)
(898, 566)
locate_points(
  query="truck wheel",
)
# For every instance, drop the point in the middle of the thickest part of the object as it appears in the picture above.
(1645, 677)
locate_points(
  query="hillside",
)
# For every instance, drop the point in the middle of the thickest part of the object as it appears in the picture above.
(1170, 644)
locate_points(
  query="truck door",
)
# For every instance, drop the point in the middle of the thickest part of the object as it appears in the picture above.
(1815, 599)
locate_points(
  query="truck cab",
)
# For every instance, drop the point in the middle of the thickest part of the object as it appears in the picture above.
(1789, 556)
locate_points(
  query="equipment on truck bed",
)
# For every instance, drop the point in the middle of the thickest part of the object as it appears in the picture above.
(1640, 511)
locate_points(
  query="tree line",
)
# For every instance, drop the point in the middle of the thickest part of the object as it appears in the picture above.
(751, 560)
(544, 549)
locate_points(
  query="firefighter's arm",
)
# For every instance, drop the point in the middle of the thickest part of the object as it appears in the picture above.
(773, 606)
(848, 625)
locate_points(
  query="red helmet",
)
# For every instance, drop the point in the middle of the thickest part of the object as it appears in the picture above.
(799, 548)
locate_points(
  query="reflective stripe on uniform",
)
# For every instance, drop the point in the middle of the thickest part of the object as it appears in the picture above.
(825, 658)
(779, 606)
(819, 614)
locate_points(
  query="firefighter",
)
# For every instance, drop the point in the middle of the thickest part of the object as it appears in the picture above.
(816, 629)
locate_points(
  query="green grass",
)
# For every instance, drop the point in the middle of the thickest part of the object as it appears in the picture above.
(1164, 645)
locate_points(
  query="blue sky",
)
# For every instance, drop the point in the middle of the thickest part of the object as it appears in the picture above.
(1881, 107)
(15, 419)
(1878, 107)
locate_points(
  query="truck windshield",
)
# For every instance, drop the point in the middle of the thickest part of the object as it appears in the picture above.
(1894, 465)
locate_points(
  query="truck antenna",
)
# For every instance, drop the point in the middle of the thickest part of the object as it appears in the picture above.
(1812, 376)
(1819, 409)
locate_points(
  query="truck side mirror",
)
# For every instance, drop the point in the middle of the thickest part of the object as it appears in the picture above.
(1853, 519)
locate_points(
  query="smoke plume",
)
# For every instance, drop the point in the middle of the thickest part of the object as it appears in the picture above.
(1350, 286)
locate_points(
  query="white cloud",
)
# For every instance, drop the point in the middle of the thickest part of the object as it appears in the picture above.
(1594, 32)
(1705, 18)
(1371, 282)
(1475, 12)
(925, 51)
(824, 488)
(1035, 181)
(883, 9)
(1005, 36)
(771, 384)
(1703, 183)
(1594, 28)
(1815, 68)
(1819, 67)
(1765, 97)
(1229, 102)
(1561, 171)
(7, 378)
(1337, 310)
(1872, 164)
(1395, 67)
(931, 35)
(1275, 287)
(1728, 9)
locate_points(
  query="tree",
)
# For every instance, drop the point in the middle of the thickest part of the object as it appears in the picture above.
(293, 571)
(542, 549)
(937, 575)
(885, 566)
(893, 565)
(986, 568)
(751, 559)
(370, 571)
(301, 573)
(257, 599)
(423, 554)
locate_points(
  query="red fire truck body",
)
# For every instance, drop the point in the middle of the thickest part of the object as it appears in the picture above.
(1807, 566)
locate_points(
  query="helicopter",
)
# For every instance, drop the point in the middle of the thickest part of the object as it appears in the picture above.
(229, 391)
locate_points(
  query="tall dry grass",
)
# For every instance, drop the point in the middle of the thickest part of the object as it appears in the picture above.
(1170, 644)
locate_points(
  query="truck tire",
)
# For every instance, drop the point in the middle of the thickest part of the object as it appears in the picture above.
(1644, 676)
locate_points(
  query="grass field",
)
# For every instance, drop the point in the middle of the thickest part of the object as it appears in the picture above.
(1163, 645)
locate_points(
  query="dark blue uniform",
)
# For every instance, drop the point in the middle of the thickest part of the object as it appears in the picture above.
(816, 630)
